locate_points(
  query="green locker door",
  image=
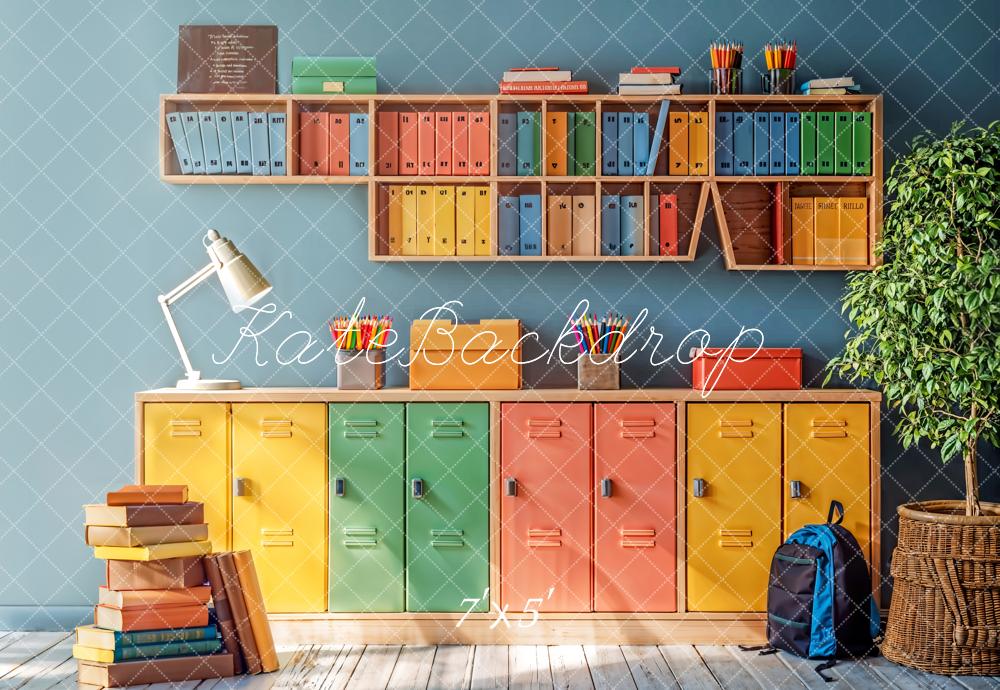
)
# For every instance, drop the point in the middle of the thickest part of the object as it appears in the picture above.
(366, 507)
(447, 506)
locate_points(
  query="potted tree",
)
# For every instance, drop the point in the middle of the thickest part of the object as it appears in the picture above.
(927, 332)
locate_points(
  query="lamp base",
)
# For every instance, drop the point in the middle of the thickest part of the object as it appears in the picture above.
(209, 385)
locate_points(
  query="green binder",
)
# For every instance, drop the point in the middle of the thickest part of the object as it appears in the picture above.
(807, 148)
(824, 144)
(586, 144)
(536, 160)
(843, 145)
(862, 136)
(571, 143)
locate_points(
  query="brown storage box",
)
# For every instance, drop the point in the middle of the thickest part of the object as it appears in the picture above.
(453, 360)
(771, 368)
(169, 573)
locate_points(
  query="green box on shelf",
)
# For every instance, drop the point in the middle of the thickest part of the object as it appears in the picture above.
(355, 85)
(326, 74)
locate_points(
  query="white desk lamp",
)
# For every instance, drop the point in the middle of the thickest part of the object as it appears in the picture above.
(244, 285)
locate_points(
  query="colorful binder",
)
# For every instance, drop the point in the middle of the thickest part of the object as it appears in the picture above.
(678, 145)
(632, 225)
(611, 233)
(776, 153)
(176, 128)
(585, 143)
(479, 144)
(724, 147)
(507, 144)
(861, 136)
(508, 226)
(559, 240)
(792, 147)
(210, 140)
(444, 220)
(227, 142)
(826, 224)
(853, 223)
(425, 220)
(742, 144)
(387, 142)
(698, 146)
(426, 160)
(340, 144)
(241, 133)
(654, 225)
(465, 221)
(609, 143)
(761, 144)
(530, 225)
(803, 240)
(409, 147)
(277, 130)
(526, 153)
(571, 143)
(625, 129)
(192, 132)
(555, 143)
(667, 217)
(824, 146)
(640, 144)
(259, 147)
(411, 242)
(394, 223)
(442, 144)
(807, 147)
(460, 144)
(314, 143)
(484, 210)
(843, 144)
(359, 144)
(584, 226)
(659, 129)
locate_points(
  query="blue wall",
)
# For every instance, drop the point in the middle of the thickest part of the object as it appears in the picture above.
(89, 235)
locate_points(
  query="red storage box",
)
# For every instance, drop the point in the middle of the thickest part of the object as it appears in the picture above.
(771, 368)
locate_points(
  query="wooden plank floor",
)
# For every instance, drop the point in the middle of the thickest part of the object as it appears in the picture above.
(41, 660)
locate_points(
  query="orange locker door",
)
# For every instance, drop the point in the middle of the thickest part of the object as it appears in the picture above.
(635, 538)
(827, 458)
(545, 506)
(733, 503)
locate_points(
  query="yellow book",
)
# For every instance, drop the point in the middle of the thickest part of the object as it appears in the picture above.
(154, 552)
(409, 219)
(394, 235)
(584, 226)
(698, 144)
(853, 229)
(677, 144)
(425, 220)
(555, 143)
(101, 656)
(444, 221)
(803, 240)
(827, 230)
(484, 211)
(465, 221)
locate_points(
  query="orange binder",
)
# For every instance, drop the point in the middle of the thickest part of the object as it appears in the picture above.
(802, 231)
(698, 143)
(827, 230)
(340, 144)
(677, 145)
(559, 241)
(584, 225)
(460, 143)
(394, 234)
(425, 220)
(411, 238)
(443, 145)
(484, 210)
(388, 143)
(479, 143)
(555, 144)
(667, 215)
(314, 143)
(465, 220)
(853, 229)
(408, 148)
(425, 143)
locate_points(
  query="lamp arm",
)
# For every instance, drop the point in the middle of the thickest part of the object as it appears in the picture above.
(169, 298)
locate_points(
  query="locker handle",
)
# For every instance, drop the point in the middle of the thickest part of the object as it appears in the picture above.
(510, 486)
(359, 543)
(441, 433)
(418, 488)
(700, 486)
(606, 488)
(176, 433)
(545, 434)
(731, 432)
(185, 422)
(447, 422)
(795, 489)
(360, 422)
(339, 484)
(241, 486)
(625, 423)
(829, 433)
(544, 422)
(438, 543)
(648, 433)
(360, 434)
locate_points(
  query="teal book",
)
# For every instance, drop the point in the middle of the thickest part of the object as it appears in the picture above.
(586, 143)
(525, 143)
(259, 148)
(761, 145)
(777, 148)
(631, 225)
(742, 144)
(227, 142)
(358, 144)
(657, 143)
(276, 141)
(163, 636)
(176, 128)
(793, 129)
(210, 140)
(824, 144)
(326, 66)
(611, 232)
(609, 143)
(156, 651)
(508, 226)
(241, 134)
(724, 146)
(843, 148)
(192, 131)
(640, 143)
(571, 143)
(507, 144)
(530, 225)
(625, 128)
(862, 143)
(807, 144)
(333, 85)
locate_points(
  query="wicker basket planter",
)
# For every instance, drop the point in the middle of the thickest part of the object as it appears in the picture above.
(945, 611)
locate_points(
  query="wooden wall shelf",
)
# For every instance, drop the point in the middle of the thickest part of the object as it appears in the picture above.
(745, 245)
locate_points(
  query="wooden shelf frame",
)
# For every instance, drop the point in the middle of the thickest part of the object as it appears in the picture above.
(293, 104)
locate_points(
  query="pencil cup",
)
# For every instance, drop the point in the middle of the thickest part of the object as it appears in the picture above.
(727, 80)
(598, 372)
(360, 370)
(778, 81)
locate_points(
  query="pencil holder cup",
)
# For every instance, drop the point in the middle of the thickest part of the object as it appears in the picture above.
(726, 80)
(598, 372)
(360, 370)
(778, 81)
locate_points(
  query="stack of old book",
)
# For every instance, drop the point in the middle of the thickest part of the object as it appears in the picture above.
(649, 81)
(153, 622)
(531, 80)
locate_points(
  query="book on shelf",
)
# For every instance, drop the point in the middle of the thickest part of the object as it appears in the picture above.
(585, 143)
(146, 598)
(625, 141)
(143, 494)
(483, 222)
(632, 224)
(227, 142)
(443, 221)
(827, 83)
(241, 136)
(543, 87)
(443, 148)
(387, 143)
(192, 133)
(508, 226)
(276, 142)
(802, 233)
(259, 148)
(102, 638)
(147, 651)
(678, 162)
(640, 143)
(465, 221)
(673, 70)
(176, 129)
(537, 75)
(833, 91)
(151, 618)
(409, 147)
(530, 224)
(559, 214)
(659, 128)
(609, 143)
(698, 143)
(358, 144)
(153, 552)
(649, 89)
(667, 225)
(138, 672)
(611, 234)
(584, 225)
(340, 144)
(101, 535)
(507, 144)
(150, 515)
(645, 79)
(169, 573)
(459, 144)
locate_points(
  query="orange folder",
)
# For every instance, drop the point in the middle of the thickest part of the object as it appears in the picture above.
(698, 143)
(555, 144)
(677, 144)
(388, 143)
(460, 143)
(667, 215)
(584, 226)
(560, 225)
(314, 143)
(340, 144)
(479, 144)
(408, 148)
(425, 143)
(442, 143)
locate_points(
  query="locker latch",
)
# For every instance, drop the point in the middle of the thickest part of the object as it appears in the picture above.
(795, 488)
(606, 488)
(240, 486)
(700, 485)
(418, 488)
(510, 486)
(338, 486)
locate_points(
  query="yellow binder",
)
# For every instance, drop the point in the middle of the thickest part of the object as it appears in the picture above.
(411, 245)
(853, 229)
(803, 241)
(465, 221)
(555, 143)
(677, 146)
(827, 230)
(394, 236)
(484, 210)
(698, 144)
(425, 220)
(444, 221)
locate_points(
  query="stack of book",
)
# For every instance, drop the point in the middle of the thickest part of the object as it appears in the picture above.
(237, 143)
(835, 86)
(529, 80)
(649, 81)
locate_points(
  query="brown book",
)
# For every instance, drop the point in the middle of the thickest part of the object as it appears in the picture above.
(190, 513)
(151, 618)
(227, 59)
(101, 535)
(223, 612)
(241, 619)
(254, 599)
(169, 573)
(146, 494)
(145, 598)
(140, 671)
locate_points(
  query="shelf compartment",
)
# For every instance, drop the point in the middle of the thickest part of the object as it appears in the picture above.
(691, 199)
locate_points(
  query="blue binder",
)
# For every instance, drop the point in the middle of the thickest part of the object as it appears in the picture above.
(525, 143)
(530, 225)
(359, 144)
(631, 225)
(724, 160)
(640, 143)
(179, 139)
(609, 144)
(507, 144)
(259, 148)
(508, 226)
(792, 130)
(192, 131)
(227, 143)
(777, 151)
(625, 143)
(742, 144)
(210, 140)
(611, 232)
(276, 131)
(654, 147)
(241, 133)
(761, 145)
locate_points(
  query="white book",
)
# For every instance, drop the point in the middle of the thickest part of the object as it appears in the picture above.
(551, 75)
(831, 83)
(645, 79)
(649, 89)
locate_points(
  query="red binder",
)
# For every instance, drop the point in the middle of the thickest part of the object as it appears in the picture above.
(388, 143)
(479, 143)
(460, 143)
(314, 143)
(425, 143)
(442, 147)
(668, 225)
(408, 148)
(340, 144)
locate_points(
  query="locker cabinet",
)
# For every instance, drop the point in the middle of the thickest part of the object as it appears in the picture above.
(188, 443)
(733, 503)
(827, 458)
(635, 539)
(447, 506)
(366, 507)
(546, 506)
(280, 500)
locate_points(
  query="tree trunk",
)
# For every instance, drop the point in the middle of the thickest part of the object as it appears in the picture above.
(971, 479)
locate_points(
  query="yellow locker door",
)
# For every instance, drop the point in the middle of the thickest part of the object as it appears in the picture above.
(280, 500)
(733, 504)
(827, 458)
(188, 443)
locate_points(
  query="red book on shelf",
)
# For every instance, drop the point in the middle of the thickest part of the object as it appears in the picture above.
(778, 223)
(314, 143)
(460, 143)
(340, 144)
(425, 144)
(443, 148)
(479, 143)
(408, 148)
(668, 225)
(527, 87)
(657, 70)
(388, 143)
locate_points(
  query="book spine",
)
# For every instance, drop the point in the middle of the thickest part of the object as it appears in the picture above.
(241, 617)
(742, 144)
(409, 148)
(559, 239)
(213, 166)
(525, 143)
(223, 612)
(843, 146)
(425, 143)
(640, 144)
(411, 241)
(176, 129)
(677, 146)
(668, 225)
(314, 139)
(792, 147)
(530, 224)
(776, 151)
(394, 230)
(259, 147)
(698, 153)
(277, 133)
(645, 79)
(611, 234)
(340, 144)
(570, 143)
(244, 155)
(388, 143)
(484, 228)
(479, 143)
(659, 129)
(853, 224)
(537, 75)
(826, 224)
(586, 143)
(359, 144)
(631, 224)
(807, 145)
(536, 143)
(465, 221)
(443, 149)
(761, 145)
(460, 144)
(624, 147)
(444, 220)
(508, 229)
(156, 651)
(227, 142)
(507, 144)
(541, 87)
(803, 252)
(824, 147)
(192, 132)
(724, 146)
(555, 143)
(609, 143)
(861, 138)
(425, 220)
(584, 226)
(143, 637)
(676, 71)
(654, 225)
(778, 223)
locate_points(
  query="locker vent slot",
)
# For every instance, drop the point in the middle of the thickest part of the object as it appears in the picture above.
(185, 427)
(540, 427)
(276, 428)
(361, 434)
(638, 538)
(736, 428)
(273, 537)
(448, 433)
(545, 538)
(637, 428)
(736, 538)
(354, 423)
(360, 536)
(445, 538)
(829, 428)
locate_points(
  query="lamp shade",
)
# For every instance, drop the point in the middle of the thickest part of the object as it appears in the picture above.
(243, 284)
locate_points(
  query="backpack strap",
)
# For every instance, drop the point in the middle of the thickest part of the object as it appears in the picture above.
(825, 666)
(835, 506)
(763, 649)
